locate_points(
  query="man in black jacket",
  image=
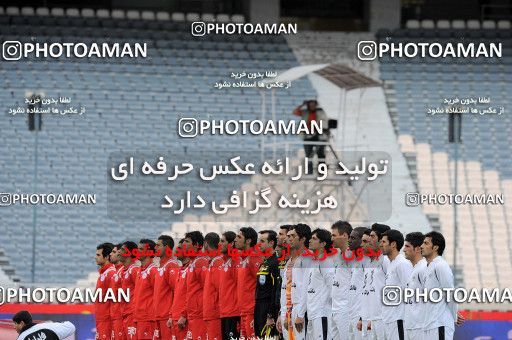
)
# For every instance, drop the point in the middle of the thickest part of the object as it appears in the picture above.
(265, 310)
(28, 330)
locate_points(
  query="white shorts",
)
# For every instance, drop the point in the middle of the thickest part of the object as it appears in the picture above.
(319, 329)
(414, 334)
(395, 330)
(296, 335)
(353, 332)
(440, 333)
(377, 332)
(340, 325)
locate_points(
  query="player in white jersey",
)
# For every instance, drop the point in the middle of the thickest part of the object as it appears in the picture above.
(356, 284)
(319, 286)
(414, 310)
(399, 273)
(438, 318)
(340, 318)
(375, 272)
(294, 287)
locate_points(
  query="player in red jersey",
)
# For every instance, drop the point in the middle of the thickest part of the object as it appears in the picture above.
(195, 283)
(247, 271)
(178, 320)
(228, 306)
(164, 287)
(102, 309)
(130, 273)
(116, 311)
(211, 289)
(144, 309)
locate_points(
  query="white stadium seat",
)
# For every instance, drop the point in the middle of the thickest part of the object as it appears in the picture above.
(57, 12)
(427, 24)
(2, 10)
(148, 15)
(88, 13)
(27, 11)
(504, 24)
(458, 24)
(489, 24)
(238, 18)
(222, 18)
(473, 24)
(103, 13)
(208, 17)
(191, 17)
(72, 12)
(178, 16)
(118, 14)
(412, 24)
(443, 24)
(163, 16)
(133, 15)
(12, 10)
(42, 11)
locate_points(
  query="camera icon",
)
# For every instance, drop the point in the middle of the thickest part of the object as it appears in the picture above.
(5, 199)
(11, 50)
(198, 28)
(367, 50)
(412, 199)
(187, 127)
(391, 295)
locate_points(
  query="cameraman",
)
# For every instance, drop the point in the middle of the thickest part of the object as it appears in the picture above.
(309, 112)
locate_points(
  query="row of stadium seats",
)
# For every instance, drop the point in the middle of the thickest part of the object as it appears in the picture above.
(458, 24)
(414, 84)
(131, 105)
(313, 47)
(483, 236)
(120, 14)
(414, 87)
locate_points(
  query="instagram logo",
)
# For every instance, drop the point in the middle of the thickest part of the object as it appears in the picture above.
(412, 199)
(11, 50)
(367, 50)
(187, 127)
(198, 28)
(391, 295)
(5, 199)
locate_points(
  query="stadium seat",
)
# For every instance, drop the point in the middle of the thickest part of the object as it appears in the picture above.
(443, 24)
(28, 11)
(132, 15)
(473, 24)
(88, 13)
(163, 16)
(103, 13)
(208, 17)
(72, 12)
(191, 17)
(178, 16)
(12, 10)
(118, 14)
(412, 24)
(238, 18)
(222, 18)
(489, 24)
(148, 15)
(458, 24)
(504, 24)
(427, 24)
(57, 12)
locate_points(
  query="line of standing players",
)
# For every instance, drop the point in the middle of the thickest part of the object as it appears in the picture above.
(284, 295)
